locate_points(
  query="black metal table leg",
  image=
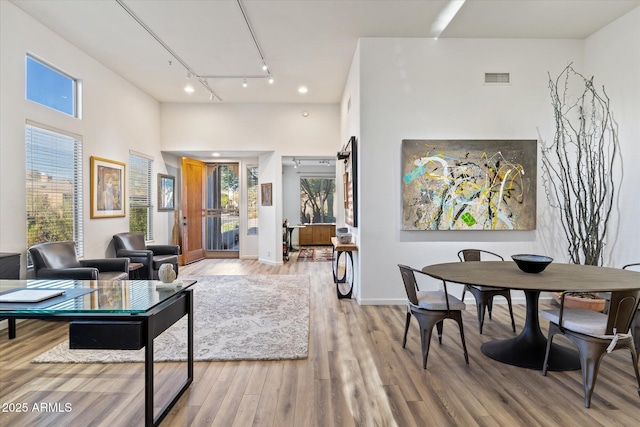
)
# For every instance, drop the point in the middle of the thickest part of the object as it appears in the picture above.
(12, 328)
(527, 349)
(150, 420)
(346, 278)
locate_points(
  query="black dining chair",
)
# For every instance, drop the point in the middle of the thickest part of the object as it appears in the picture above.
(484, 294)
(431, 308)
(595, 334)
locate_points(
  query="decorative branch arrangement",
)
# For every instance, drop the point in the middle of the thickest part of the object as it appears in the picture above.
(578, 166)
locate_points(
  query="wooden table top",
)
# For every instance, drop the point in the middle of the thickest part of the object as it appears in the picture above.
(343, 247)
(556, 277)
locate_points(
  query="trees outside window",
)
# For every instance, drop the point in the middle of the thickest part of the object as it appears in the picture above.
(54, 187)
(317, 197)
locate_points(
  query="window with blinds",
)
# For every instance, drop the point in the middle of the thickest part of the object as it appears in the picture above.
(140, 206)
(54, 186)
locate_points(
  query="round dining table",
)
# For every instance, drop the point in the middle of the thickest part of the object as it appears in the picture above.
(527, 350)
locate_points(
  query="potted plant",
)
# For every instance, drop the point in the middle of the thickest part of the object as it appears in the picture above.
(578, 166)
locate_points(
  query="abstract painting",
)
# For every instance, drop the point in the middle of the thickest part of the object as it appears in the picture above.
(469, 184)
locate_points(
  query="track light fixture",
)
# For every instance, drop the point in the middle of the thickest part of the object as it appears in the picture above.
(203, 79)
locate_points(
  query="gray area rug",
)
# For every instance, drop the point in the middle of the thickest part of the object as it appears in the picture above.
(258, 317)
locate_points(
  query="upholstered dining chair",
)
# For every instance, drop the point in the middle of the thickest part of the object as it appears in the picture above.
(431, 308)
(133, 246)
(58, 260)
(484, 294)
(595, 334)
(635, 323)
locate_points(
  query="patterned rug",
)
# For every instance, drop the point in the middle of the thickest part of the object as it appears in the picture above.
(315, 254)
(259, 317)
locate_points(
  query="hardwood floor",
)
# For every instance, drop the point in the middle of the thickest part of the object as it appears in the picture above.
(357, 374)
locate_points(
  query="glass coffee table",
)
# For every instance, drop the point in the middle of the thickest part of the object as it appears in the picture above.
(109, 315)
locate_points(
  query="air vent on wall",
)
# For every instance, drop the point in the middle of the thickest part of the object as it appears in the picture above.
(497, 78)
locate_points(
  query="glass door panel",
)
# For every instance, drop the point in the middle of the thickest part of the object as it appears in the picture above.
(223, 215)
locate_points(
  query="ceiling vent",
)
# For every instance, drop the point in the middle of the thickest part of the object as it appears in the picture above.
(497, 78)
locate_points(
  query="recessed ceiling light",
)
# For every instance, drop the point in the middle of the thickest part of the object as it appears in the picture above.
(189, 89)
(303, 89)
(305, 113)
(215, 154)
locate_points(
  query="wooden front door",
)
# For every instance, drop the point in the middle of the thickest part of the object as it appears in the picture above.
(193, 212)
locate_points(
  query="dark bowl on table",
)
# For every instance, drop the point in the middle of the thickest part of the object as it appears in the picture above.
(531, 263)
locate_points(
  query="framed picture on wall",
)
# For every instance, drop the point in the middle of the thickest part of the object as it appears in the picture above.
(469, 184)
(266, 193)
(107, 188)
(351, 182)
(166, 192)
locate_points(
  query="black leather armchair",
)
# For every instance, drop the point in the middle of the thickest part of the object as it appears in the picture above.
(58, 260)
(133, 246)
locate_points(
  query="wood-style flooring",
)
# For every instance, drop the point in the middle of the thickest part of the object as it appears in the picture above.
(357, 374)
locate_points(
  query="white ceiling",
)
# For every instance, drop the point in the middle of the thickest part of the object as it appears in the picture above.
(305, 42)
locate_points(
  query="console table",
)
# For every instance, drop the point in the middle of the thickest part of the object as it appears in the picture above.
(113, 315)
(347, 274)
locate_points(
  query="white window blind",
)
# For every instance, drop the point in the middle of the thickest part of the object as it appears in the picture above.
(54, 186)
(140, 206)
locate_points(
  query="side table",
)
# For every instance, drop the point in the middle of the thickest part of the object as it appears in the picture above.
(134, 270)
(10, 269)
(347, 266)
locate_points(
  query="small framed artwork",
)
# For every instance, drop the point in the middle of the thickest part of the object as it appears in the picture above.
(351, 177)
(107, 188)
(166, 195)
(266, 194)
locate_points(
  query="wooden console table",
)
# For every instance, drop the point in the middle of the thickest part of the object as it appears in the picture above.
(347, 276)
(316, 234)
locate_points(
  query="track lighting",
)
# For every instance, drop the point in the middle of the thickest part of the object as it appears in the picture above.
(264, 66)
(244, 82)
(188, 75)
(270, 80)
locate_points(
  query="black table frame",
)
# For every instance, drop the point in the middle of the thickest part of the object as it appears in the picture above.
(336, 253)
(150, 324)
(527, 350)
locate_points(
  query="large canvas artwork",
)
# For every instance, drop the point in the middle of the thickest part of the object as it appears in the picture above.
(469, 184)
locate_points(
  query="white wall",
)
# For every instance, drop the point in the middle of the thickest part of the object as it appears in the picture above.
(274, 130)
(428, 89)
(612, 56)
(116, 117)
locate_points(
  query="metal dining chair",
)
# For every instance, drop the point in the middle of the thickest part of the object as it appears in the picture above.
(484, 294)
(595, 334)
(431, 308)
(635, 323)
